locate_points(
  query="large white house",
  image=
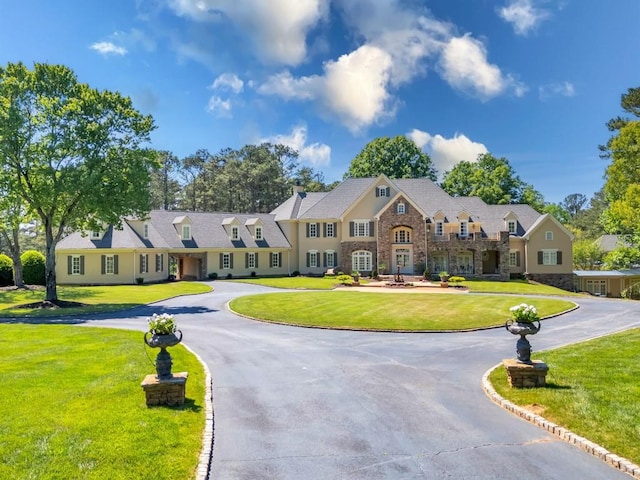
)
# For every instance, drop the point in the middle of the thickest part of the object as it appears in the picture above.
(364, 224)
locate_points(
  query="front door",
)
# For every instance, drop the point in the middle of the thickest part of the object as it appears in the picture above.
(403, 258)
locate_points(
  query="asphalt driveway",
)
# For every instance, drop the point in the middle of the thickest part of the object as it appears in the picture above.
(299, 403)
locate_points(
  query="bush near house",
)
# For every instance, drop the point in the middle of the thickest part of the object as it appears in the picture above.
(33, 266)
(6, 270)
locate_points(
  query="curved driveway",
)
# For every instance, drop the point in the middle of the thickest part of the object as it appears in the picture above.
(299, 403)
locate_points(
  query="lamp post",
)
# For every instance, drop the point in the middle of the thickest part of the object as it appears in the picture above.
(426, 253)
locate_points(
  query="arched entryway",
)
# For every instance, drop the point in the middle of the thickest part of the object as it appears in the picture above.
(402, 250)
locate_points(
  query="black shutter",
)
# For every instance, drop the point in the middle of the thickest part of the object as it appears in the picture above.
(377, 192)
(221, 262)
(351, 229)
(335, 229)
(256, 255)
(231, 261)
(324, 229)
(307, 230)
(371, 229)
(559, 257)
(308, 259)
(115, 264)
(69, 264)
(388, 191)
(140, 264)
(517, 259)
(246, 260)
(280, 259)
(540, 257)
(81, 264)
(324, 259)
(103, 260)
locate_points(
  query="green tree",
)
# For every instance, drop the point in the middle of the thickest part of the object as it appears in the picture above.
(587, 255)
(13, 213)
(493, 180)
(574, 203)
(192, 168)
(622, 258)
(397, 157)
(165, 188)
(6, 270)
(74, 153)
(558, 212)
(33, 264)
(589, 221)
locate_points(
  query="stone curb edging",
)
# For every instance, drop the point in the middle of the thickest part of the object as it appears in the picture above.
(562, 433)
(206, 454)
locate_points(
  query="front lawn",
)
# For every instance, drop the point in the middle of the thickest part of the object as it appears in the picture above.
(389, 311)
(73, 407)
(306, 283)
(592, 389)
(96, 298)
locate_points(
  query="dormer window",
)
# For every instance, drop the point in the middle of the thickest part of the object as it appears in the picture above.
(400, 209)
(548, 235)
(95, 235)
(234, 233)
(145, 230)
(464, 228)
(186, 232)
(383, 191)
(258, 233)
(511, 225)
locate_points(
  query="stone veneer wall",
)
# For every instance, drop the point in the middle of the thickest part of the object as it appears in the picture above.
(389, 220)
(560, 280)
(347, 248)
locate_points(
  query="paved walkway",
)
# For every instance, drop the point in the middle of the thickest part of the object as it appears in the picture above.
(299, 403)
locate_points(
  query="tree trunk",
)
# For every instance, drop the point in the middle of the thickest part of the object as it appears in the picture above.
(50, 265)
(18, 279)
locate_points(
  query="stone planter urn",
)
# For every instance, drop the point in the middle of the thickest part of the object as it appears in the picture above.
(162, 341)
(523, 347)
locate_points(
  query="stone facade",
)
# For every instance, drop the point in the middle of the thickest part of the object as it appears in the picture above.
(564, 281)
(347, 248)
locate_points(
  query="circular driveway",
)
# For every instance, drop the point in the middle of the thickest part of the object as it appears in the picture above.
(300, 403)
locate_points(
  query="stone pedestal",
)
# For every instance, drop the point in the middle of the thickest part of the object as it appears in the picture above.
(524, 375)
(167, 391)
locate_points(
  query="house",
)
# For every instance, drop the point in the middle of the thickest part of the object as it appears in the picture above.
(606, 283)
(364, 225)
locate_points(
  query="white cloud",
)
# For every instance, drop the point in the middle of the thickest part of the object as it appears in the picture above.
(277, 28)
(108, 48)
(464, 66)
(523, 15)
(219, 107)
(445, 153)
(315, 154)
(563, 89)
(228, 81)
(285, 85)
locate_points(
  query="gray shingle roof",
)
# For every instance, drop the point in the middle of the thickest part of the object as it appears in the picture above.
(334, 203)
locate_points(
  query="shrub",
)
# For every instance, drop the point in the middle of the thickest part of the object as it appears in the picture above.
(296, 273)
(139, 280)
(456, 279)
(229, 276)
(33, 267)
(345, 279)
(253, 274)
(6, 270)
(213, 276)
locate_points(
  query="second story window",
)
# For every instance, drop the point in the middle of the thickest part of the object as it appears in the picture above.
(464, 228)
(439, 228)
(402, 236)
(145, 233)
(512, 226)
(234, 233)
(258, 233)
(548, 235)
(313, 229)
(186, 232)
(400, 208)
(361, 228)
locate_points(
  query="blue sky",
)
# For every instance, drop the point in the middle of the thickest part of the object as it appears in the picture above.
(534, 81)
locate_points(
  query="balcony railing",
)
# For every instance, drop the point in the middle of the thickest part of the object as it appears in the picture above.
(449, 237)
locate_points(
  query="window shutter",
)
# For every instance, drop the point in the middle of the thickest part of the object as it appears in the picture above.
(351, 229)
(324, 259)
(324, 229)
(115, 264)
(81, 264)
(221, 262)
(69, 261)
(517, 259)
(103, 260)
(388, 191)
(307, 230)
(335, 229)
(162, 262)
(371, 227)
(231, 261)
(280, 259)
(308, 259)
(377, 192)
(540, 257)
(559, 257)
(256, 259)
(335, 259)
(140, 263)
(246, 260)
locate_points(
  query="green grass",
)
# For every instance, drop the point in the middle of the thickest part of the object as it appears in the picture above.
(592, 390)
(97, 298)
(73, 407)
(389, 311)
(307, 283)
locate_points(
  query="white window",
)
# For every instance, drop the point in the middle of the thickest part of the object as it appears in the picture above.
(251, 260)
(144, 263)
(382, 191)
(400, 208)
(313, 229)
(313, 258)
(439, 228)
(145, 233)
(95, 235)
(234, 233)
(331, 258)
(75, 265)
(330, 230)
(275, 260)
(186, 232)
(361, 261)
(511, 225)
(226, 261)
(549, 257)
(548, 235)
(109, 265)
(159, 262)
(361, 228)
(402, 236)
(597, 287)
(258, 233)
(464, 228)
(513, 258)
